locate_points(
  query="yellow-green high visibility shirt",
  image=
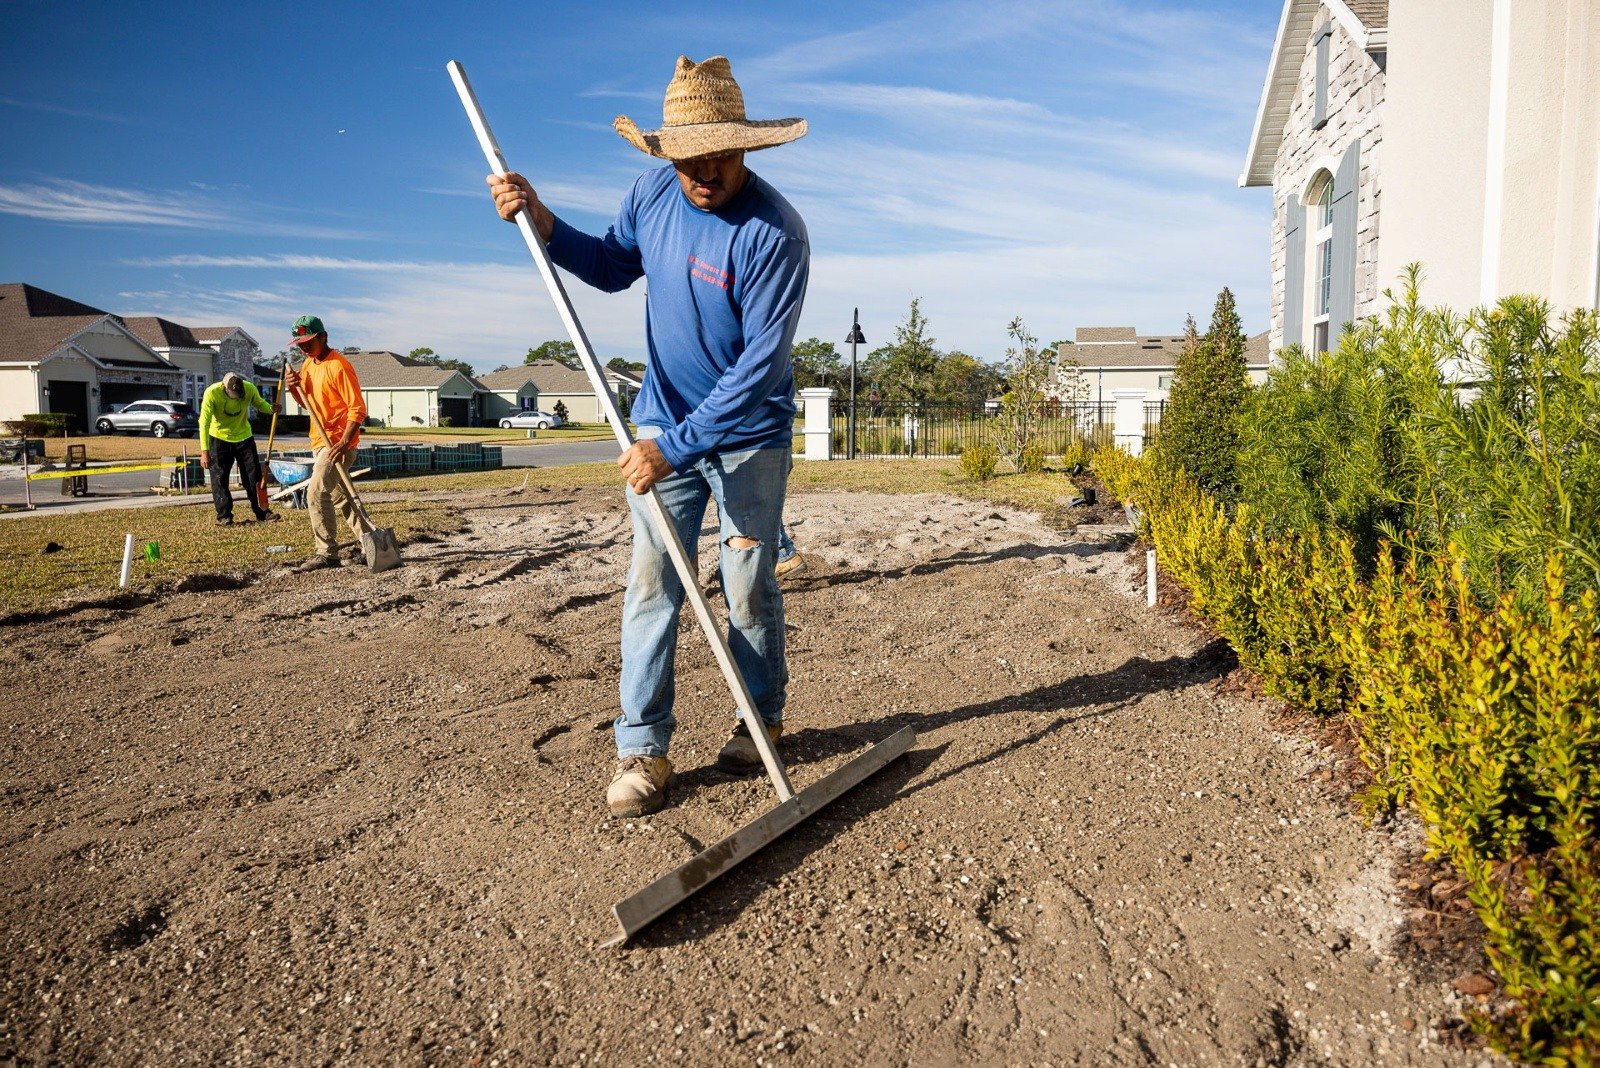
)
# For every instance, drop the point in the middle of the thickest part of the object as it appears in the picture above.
(228, 418)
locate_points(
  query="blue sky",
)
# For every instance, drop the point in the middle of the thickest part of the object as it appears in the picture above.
(1071, 162)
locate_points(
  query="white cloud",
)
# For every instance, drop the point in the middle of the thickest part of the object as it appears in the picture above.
(601, 200)
(79, 202)
(58, 109)
(487, 314)
(82, 203)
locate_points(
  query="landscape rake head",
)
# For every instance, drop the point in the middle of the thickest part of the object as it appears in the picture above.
(638, 910)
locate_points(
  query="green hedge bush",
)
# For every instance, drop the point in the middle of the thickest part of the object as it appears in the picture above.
(1421, 557)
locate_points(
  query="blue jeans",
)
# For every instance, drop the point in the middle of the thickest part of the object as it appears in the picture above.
(786, 547)
(749, 488)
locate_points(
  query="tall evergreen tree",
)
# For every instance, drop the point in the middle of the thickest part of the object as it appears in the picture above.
(1200, 427)
(910, 361)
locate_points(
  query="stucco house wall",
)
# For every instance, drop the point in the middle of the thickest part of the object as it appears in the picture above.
(19, 391)
(500, 403)
(1494, 131)
(400, 408)
(581, 407)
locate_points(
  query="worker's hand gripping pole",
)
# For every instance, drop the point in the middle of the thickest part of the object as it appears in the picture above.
(688, 573)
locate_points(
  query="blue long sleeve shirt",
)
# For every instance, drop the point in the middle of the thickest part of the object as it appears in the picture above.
(725, 291)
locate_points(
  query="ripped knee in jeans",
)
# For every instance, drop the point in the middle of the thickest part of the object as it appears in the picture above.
(740, 542)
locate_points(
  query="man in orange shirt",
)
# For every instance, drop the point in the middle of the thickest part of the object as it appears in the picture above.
(327, 385)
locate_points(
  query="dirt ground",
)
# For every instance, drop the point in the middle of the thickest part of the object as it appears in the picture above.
(356, 817)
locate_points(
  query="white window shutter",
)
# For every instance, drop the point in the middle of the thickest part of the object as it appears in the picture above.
(1294, 271)
(1346, 206)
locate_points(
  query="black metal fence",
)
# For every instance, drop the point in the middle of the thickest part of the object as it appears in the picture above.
(1153, 411)
(900, 430)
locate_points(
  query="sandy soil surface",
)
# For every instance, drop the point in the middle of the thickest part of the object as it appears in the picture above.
(343, 816)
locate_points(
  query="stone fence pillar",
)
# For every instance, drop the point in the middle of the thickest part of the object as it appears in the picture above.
(1129, 421)
(817, 405)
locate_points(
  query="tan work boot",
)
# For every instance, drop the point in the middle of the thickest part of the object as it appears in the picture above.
(639, 786)
(794, 563)
(740, 756)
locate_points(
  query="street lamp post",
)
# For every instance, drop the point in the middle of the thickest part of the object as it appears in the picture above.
(856, 338)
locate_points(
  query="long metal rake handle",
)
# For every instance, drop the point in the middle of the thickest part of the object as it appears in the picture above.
(688, 574)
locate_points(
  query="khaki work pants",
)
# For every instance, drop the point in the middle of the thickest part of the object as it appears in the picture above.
(325, 492)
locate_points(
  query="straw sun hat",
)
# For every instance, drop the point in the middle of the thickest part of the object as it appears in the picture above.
(704, 116)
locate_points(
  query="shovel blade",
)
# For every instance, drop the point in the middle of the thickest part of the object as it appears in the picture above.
(655, 900)
(379, 547)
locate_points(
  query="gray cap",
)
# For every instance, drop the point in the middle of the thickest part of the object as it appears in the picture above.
(232, 384)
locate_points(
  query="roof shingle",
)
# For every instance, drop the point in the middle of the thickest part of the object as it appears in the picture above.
(390, 370)
(1156, 351)
(160, 333)
(1090, 335)
(35, 322)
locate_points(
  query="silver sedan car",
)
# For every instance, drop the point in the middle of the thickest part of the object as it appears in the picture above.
(533, 420)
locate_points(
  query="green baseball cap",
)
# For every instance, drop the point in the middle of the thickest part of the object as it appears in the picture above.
(307, 327)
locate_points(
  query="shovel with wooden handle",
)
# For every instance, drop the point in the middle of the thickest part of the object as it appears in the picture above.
(660, 896)
(377, 543)
(272, 432)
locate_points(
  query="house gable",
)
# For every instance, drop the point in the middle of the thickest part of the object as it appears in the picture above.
(1319, 131)
(1364, 24)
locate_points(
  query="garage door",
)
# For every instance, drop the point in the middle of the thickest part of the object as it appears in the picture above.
(127, 393)
(71, 399)
(456, 409)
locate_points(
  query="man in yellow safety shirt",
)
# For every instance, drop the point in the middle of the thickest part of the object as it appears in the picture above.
(226, 438)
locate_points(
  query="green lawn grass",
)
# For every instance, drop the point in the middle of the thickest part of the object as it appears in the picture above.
(190, 542)
(90, 558)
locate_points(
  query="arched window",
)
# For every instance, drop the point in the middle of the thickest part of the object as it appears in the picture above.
(1320, 224)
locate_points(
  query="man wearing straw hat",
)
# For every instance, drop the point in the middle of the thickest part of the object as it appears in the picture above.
(326, 385)
(726, 259)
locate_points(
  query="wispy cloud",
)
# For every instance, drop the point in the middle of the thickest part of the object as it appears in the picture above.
(59, 109)
(85, 204)
(285, 263)
(79, 202)
(602, 200)
(485, 313)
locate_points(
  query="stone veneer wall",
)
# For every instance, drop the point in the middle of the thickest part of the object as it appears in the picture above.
(234, 353)
(1355, 109)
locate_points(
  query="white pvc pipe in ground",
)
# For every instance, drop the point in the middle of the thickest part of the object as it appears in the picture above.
(1150, 578)
(127, 559)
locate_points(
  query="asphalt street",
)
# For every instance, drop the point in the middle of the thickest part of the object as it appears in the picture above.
(133, 488)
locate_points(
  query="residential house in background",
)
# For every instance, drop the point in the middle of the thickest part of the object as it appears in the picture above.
(60, 355)
(507, 392)
(626, 385)
(402, 392)
(205, 354)
(1479, 146)
(1119, 357)
(559, 383)
(236, 351)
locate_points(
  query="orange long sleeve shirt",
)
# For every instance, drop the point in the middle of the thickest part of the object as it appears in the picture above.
(330, 384)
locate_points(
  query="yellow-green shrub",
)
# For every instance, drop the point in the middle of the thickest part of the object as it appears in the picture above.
(1030, 461)
(979, 462)
(1076, 451)
(1485, 717)
(1119, 472)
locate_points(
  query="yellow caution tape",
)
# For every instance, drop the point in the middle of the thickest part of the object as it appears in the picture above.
(79, 472)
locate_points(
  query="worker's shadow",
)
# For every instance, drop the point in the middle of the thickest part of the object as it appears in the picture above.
(1095, 696)
(1102, 693)
(964, 558)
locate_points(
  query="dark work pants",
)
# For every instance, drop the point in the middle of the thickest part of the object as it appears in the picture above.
(223, 455)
